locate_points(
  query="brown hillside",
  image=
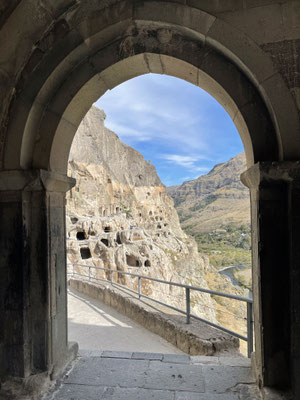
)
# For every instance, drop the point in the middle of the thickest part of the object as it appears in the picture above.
(215, 199)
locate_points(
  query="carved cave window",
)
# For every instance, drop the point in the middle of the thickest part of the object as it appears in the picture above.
(85, 253)
(81, 235)
(105, 242)
(132, 261)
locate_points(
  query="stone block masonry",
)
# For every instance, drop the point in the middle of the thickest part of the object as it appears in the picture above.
(134, 376)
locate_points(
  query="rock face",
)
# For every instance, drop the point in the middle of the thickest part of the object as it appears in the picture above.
(120, 216)
(215, 199)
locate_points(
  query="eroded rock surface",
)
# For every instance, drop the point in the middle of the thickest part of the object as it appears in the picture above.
(120, 216)
(215, 199)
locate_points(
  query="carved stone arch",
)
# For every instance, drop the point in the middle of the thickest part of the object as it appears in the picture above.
(155, 49)
(142, 37)
(51, 72)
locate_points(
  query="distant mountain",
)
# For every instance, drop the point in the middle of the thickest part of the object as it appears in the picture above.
(215, 199)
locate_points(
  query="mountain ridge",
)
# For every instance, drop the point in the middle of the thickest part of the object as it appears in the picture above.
(120, 216)
(215, 199)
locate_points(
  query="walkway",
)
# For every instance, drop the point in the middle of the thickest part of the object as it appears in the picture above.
(144, 376)
(149, 368)
(96, 326)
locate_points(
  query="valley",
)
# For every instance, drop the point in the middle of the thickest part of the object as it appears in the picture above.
(215, 210)
(120, 216)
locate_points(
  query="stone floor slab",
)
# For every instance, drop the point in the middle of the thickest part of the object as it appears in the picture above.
(235, 361)
(87, 392)
(176, 358)
(85, 353)
(147, 356)
(116, 354)
(205, 360)
(221, 378)
(79, 392)
(112, 378)
(90, 353)
(136, 394)
(109, 372)
(175, 377)
(205, 396)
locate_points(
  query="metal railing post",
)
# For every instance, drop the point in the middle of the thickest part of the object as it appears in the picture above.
(188, 305)
(249, 338)
(140, 287)
(250, 328)
(73, 269)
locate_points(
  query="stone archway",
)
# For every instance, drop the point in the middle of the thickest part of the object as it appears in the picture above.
(77, 55)
(82, 59)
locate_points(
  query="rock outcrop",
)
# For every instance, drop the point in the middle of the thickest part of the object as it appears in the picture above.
(215, 199)
(120, 216)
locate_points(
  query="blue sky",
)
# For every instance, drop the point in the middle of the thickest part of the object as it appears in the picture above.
(178, 126)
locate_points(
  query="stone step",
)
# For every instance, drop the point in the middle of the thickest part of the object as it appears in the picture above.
(119, 375)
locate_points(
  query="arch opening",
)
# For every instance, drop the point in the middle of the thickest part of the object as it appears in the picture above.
(243, 102)
(99, 59)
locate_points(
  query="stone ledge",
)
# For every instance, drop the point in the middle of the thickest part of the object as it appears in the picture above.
(197, 338)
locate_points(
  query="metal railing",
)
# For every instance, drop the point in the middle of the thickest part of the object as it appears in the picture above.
(188, 288)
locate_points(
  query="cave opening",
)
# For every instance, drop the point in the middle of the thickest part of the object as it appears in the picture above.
(81, 235)
(119, 241)
(105, 242)
(132, 261)
(85, 253)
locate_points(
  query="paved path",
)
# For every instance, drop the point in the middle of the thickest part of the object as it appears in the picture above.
(144, 376)
(96, 326)
(148, 369)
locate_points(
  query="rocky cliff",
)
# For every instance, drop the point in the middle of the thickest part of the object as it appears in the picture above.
(120, 216)
(215, 199)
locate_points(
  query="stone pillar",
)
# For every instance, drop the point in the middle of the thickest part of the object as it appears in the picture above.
(275, 213)
(33, 293)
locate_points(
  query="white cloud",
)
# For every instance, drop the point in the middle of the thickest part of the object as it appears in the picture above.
(151, 107)
(176, 121)
(184, 161)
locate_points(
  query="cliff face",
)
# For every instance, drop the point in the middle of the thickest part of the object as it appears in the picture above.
(215, 199)
(120, 216)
